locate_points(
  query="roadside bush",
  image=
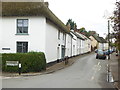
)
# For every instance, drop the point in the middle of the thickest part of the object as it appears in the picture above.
(31, 62)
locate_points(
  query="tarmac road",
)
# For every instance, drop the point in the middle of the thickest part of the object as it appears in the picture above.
(86, 72)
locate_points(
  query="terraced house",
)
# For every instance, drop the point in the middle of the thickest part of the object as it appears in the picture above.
(31, 26)
(98, 42)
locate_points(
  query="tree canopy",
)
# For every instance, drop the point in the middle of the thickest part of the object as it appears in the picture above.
(72, 24)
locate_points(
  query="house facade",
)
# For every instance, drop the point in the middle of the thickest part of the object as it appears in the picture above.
(103, 45)
(98, 42)
(32, 27)
(74, 44)
(94, 43)
(80, 43)
(68, 51)
(25, 32)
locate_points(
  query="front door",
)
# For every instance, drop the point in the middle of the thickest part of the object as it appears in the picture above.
(62, 51)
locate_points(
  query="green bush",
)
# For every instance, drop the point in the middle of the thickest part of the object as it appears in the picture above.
(31, 62)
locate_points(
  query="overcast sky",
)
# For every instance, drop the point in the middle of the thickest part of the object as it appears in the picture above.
(86, 13)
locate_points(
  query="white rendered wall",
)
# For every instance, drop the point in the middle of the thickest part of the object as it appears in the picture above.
(35, 39)
(74, 45)
(68, 45)
(0, 34)
(61, 43)
(100, 46)
(78, 46)
(51, 42)
(105, 46)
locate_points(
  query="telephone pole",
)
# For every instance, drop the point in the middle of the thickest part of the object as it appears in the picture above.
(108, 39)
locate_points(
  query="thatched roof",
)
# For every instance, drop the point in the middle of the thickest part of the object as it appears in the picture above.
(99, 39)
(103, 40)
(31, 9)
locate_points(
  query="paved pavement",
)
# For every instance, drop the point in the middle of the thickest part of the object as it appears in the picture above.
(114, 69)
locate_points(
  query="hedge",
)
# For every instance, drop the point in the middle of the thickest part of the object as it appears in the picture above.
(31, 62)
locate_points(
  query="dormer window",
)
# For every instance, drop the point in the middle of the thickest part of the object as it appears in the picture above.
(22, 26)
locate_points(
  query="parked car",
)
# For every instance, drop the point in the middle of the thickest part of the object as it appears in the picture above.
(107, 52)
(100, 55)
(96, 50)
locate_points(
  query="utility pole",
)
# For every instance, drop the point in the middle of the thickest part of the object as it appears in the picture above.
(108, 39)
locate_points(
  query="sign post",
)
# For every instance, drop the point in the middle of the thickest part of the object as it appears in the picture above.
(19, 68)
(14, 63)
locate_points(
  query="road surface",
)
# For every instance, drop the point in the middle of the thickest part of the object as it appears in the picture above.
(86, 72)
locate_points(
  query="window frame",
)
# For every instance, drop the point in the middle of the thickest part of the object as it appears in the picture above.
(23, 26)
(22, 46)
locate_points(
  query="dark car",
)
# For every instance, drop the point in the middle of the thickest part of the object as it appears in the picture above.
(96, 50)
(107, 52)
(110, 51)
(100, 55)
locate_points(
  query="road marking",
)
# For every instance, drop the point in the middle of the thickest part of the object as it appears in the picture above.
(98, 63)
(92, 78)
(96, 68)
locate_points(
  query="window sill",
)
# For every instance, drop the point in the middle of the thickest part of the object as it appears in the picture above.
(22, 34)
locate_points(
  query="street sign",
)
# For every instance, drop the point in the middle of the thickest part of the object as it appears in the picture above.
(20, 65)
(12, 63)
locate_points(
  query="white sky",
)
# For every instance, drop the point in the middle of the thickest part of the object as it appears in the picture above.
(86, 13)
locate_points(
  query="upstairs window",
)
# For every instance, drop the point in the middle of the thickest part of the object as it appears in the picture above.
(22, 26)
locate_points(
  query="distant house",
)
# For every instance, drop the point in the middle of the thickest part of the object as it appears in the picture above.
(31, 26)
(79, 43)
(94, 43)
(86, 43)
(68, 51)
(103, 45)
(98, 42)
(74, 44)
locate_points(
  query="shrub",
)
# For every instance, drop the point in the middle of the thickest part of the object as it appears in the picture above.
(31, 62)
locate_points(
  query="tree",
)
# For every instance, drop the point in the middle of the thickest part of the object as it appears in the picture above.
(116, 20)
(72, 24)
(83, 31)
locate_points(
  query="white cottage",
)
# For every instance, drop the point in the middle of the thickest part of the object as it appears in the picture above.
(31, 26)
(68, 50)
(74, 43)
